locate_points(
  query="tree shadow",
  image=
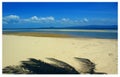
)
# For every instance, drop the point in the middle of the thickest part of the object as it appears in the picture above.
(15, 70)
(87, 66)
(100, 73)
(64, 65)
(34, 66)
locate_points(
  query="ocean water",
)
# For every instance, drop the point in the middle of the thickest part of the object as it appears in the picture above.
(105, 34)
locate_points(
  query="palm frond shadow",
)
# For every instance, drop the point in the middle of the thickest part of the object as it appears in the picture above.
(87, 66)
(15, 70)
(34, 66)
(64, 65)
(40, 67)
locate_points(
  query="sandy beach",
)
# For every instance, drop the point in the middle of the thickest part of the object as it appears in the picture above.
(103, 52)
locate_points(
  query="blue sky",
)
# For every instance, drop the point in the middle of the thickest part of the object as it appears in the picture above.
(31, 15)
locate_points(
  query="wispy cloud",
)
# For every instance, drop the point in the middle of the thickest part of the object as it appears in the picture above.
(35, 18)
(65, 19)
(15, 17)
(5, 22)
(51, 20)
(11, 19)
(85, 20)
(41, 19)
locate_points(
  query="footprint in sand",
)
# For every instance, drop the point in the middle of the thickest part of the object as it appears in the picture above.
(73, 43)
(110, 54)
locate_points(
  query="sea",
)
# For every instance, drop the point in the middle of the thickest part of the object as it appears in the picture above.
(88, 33)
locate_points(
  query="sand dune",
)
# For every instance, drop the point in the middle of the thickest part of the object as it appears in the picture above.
(103, 52)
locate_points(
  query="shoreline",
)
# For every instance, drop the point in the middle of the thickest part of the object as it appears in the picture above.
(40, 34)
(36, 34)
(103, 52)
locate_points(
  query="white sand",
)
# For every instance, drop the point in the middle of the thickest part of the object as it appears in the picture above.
(103, 52)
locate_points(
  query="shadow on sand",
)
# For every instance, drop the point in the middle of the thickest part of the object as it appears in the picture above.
(34, 66)
(87, 66)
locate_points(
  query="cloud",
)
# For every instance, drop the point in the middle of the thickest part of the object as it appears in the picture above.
(65, 19)
(4, 22)
(85, 20)
(15, 19)
(39, 19)
(11, 19)
(50, 18)
(35, 18)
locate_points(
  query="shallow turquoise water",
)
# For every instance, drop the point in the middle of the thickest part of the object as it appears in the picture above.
(105, 34)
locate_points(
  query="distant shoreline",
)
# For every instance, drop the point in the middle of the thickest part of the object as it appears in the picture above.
(40, 34)
(66, 30)
(36, 34)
